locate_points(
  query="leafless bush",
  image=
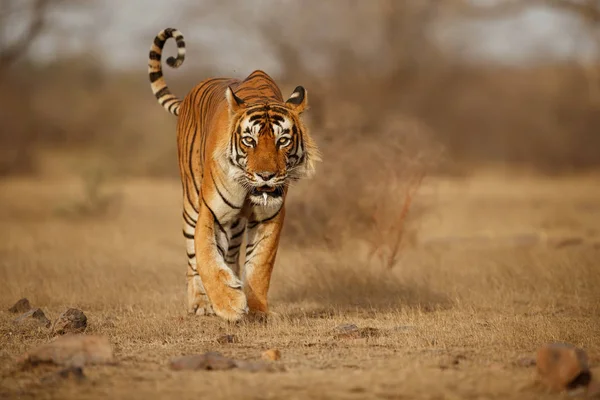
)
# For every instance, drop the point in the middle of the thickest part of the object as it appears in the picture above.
(364, 189)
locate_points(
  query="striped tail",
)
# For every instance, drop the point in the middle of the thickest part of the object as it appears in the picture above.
(157, 82)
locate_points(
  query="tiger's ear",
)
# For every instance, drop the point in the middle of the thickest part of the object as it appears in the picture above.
(235, 103)
(298, 101)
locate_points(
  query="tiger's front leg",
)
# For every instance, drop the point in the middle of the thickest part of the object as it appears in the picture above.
(222, 286)
(261, 250)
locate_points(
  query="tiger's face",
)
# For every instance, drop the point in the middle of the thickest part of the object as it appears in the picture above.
(269, 147)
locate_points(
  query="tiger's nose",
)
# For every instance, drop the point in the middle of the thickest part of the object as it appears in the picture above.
(266, 175)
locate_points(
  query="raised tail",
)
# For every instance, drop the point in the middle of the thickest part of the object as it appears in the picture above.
(165, 98)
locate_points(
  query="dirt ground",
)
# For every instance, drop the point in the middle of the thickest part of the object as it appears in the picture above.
(497, 266)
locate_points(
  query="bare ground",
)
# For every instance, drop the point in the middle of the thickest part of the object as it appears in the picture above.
(495, 267)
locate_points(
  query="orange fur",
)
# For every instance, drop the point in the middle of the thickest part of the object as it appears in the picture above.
(240, 145)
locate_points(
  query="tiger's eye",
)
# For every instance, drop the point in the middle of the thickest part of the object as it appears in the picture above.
(248, 141)
(284, 142)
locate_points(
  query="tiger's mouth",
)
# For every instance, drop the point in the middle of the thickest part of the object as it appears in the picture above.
(266, 190)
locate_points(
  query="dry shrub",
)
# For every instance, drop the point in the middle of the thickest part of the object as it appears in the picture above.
(349, 224)
(364, 189)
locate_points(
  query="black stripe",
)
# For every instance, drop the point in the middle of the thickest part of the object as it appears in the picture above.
(159, 42)
(237, 235)
(198, 98)
(221, 251)
(214, 217)
(154, 76)
(254, 223)
(234, 247)
(188, 219)
(221, 194)
(180, 42)
(232, 259)
(162, 92)
(154, 55)
(188, 235)
(167, 99)
(250, 248)
(191, 255)
(235, 224)
(172, 107)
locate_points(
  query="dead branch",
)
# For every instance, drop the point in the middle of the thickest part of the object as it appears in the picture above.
(15, 50)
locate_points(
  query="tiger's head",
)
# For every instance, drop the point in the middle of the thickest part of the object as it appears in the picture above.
(269, 146)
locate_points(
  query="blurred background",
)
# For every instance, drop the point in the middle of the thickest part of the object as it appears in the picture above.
(488, 83)
(399, 90)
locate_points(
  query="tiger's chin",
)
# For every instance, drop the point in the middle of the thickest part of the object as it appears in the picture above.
(266, 196)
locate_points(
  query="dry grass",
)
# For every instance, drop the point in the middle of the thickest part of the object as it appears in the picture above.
(459, 288)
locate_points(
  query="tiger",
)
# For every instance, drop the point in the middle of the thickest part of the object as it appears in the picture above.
(240, 146)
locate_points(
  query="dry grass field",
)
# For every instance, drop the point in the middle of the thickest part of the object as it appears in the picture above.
(494, 267)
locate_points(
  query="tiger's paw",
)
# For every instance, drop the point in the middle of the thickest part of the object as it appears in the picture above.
(262, 317)
(229, 301)
(205, 310)
(198, 302)
(200, 305)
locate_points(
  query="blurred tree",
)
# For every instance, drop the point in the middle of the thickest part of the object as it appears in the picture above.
(33, 15)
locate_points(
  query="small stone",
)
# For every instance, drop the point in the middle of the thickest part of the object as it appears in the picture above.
(562, 366)
(210, 361)
(71, 351)
(271, 355)
(20, 306)
(34, 314)
(224, 339)
(70, 321)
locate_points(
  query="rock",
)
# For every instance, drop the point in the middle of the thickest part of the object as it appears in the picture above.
(72, 351)
(35, 314)
(224, 339)
(271, 355)
(562, 366)
(210, 361)
(351, 331)
(70, 321)
(20, 306)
